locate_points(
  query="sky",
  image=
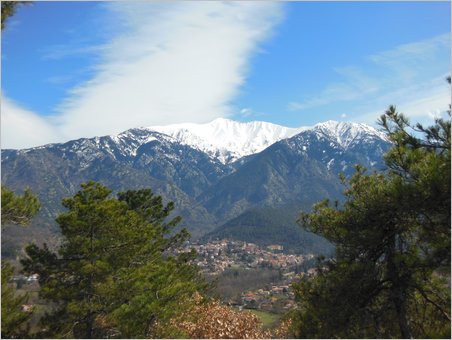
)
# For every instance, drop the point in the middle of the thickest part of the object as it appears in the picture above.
(85, 69)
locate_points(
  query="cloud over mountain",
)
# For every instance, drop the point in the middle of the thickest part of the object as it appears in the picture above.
(167, 61)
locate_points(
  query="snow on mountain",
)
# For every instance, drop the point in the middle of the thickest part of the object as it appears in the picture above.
(346, 134)
(228, 140)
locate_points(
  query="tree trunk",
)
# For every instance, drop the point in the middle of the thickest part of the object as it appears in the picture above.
(90, 319)
(89, 327)
(399, 301)
(398, 291)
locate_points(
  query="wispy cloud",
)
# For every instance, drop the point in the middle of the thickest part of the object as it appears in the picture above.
(248, 112)
(58, 80)
(56, 52)
(336, 92)
(172, 62)
(412, 53)
(412, 75)
(420, 102)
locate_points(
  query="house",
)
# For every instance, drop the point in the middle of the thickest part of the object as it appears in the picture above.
(275, 247)
(27, 308)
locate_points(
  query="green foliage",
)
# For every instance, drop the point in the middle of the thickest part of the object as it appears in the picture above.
(390, 275)
(15, 210)
(13, 318)
(113, 275)
(423, 168)
(9, 8)
(18, 209)
(268, 319)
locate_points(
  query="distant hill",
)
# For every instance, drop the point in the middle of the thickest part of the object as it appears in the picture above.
(266, 226)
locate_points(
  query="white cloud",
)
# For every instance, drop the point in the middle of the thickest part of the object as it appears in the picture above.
(177, 62)
(173, 62)
(22, 128)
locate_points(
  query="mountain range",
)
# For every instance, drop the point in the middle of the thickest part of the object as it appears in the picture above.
(218, 174)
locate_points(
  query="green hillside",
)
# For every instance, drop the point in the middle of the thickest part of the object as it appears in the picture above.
(265, 226)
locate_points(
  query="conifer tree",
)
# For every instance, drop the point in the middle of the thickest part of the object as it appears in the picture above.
(114, 274)
(390, 274)
(13, 318)
(17, 210)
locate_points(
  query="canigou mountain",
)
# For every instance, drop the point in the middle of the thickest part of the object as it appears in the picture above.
(213, 172)
(227, 140)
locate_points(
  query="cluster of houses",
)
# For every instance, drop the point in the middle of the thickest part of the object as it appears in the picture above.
(276, 298)
(216, 256)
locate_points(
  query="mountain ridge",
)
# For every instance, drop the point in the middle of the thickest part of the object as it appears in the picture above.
(226, 140)
(207, 192)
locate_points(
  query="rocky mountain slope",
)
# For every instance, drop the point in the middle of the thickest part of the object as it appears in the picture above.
(303, 169)
(211, 176)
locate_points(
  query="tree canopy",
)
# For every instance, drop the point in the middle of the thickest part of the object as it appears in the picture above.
(390, 275)
(117, 272)
(18, 209)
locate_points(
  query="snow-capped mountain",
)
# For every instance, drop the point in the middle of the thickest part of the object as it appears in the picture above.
(223, 140)
(348, 134)
(191, 164)
(228, 140)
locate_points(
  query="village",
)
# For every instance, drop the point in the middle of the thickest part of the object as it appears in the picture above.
(215, 257)
(219, 255)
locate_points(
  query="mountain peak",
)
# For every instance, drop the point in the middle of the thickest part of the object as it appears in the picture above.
(346, 133)
(228, 140)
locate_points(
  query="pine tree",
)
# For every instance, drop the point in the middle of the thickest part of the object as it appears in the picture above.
(13, 318)
(18, 210)
(390, 275)
(114, 274)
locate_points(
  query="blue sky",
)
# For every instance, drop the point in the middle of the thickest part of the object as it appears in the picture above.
(80, 69)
